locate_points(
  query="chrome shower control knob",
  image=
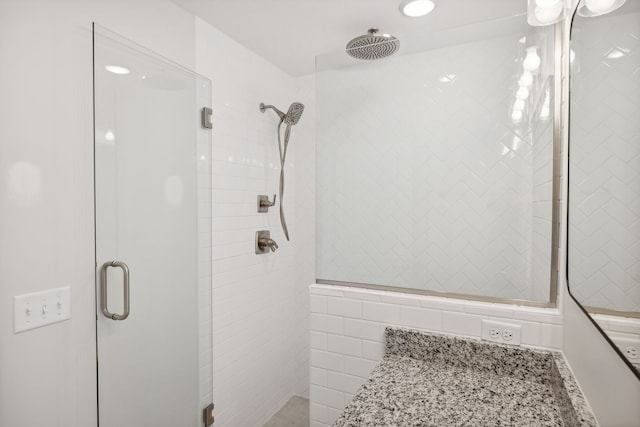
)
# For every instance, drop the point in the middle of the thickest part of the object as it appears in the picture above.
(264, 204)
(264, 242)
(268, 243)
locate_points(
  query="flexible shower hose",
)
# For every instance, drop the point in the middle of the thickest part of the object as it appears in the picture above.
(283, 155)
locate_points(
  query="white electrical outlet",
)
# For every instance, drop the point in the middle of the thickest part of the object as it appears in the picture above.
(505, 333)
(41, 308)
(630, 347)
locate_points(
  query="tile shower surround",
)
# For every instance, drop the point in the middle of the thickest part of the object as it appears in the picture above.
(347, 334)
(418, 153)
(260, 355)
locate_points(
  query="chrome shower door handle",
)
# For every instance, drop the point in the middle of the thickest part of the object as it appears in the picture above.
(103, 290)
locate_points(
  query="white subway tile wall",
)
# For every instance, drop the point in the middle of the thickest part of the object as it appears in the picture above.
(260, 310)
(304, 227)
(348, 342)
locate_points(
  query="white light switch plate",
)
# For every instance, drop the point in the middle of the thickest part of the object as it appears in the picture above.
(41, 308)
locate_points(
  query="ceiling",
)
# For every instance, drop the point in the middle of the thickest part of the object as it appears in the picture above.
(290, 33)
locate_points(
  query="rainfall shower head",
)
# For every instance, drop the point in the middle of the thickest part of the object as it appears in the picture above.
(373, 45)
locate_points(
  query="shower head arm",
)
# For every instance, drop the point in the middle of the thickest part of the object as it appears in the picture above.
(264, 108)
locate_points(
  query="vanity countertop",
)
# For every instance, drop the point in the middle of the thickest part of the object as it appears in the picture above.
(437, 380)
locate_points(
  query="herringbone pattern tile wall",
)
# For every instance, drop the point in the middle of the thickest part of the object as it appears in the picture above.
(604, 194)
(425, 182)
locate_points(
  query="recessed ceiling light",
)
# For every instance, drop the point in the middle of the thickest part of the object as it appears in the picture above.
(116, 69)
(416, 8)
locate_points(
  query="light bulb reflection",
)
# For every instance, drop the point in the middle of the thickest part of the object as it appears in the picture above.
(448, 78)
(117, 69)
(591, 8)
(548, 15)
(544, 114)
(518, 105)
(599, 6)
(532, 61)
(516, 144)
(545, 110)
(526, 79)
(545, 12)
(548, 3)
(516, 116)
(523, 93)
(616, 53)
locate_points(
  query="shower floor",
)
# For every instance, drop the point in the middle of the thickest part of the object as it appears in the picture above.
(294, 413)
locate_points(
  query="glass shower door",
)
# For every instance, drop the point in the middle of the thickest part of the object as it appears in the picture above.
(151, 164)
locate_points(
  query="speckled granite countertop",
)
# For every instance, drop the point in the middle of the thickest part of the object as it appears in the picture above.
(437, 380)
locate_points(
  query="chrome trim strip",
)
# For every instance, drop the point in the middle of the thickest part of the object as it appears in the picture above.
(598, 310)
(453, 295)
(556, 204)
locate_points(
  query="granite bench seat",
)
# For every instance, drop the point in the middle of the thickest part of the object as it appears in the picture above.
(437, 380)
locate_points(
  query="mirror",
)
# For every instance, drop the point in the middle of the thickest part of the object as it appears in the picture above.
(603, 265)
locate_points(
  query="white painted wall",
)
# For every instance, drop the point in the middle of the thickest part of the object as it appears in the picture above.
(259, 308)
(46, 197)
(608, 384)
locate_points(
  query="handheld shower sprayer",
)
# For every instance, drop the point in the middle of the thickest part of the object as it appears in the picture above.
(290, 119)
(293, 114)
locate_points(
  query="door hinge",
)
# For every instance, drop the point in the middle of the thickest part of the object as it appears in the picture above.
(206, 118)
(207, 415)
